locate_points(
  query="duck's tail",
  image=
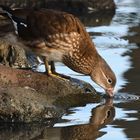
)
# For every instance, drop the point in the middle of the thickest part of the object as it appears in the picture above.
(17, 22)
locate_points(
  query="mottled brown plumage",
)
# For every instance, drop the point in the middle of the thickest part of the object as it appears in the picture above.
(59, 36)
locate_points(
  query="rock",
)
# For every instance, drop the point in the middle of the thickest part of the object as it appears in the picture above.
(80, 6)
(27, 96)
(25, 105)
(72, 6)
(98, 5)
(13, 55)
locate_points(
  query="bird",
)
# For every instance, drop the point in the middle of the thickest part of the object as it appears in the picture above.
(58, 36)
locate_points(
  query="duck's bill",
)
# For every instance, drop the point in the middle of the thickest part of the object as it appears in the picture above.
(110, 92)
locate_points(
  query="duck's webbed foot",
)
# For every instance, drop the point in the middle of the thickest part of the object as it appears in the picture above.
(51, 71)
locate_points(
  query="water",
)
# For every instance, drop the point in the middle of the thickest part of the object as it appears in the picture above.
(117, 39)
(119, 43)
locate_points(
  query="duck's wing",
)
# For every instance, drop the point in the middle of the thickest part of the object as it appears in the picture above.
(54, 29)
(18, 18)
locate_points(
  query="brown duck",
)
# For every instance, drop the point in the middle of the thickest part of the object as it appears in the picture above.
(61, 37)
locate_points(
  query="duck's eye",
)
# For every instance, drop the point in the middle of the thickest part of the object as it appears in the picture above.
(109, 81)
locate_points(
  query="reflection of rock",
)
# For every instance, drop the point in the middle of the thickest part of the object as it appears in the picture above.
(101, 115)
(20, 131)
(130, 125)
(132, 75)
(135, 35)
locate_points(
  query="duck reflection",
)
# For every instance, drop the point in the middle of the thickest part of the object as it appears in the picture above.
(100, 117)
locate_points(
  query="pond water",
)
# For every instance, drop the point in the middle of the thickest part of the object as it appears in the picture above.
(117, 38)
(118, 41)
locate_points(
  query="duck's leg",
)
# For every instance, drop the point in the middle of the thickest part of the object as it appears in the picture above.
(50, 70)
(53, 71)
(47, 69)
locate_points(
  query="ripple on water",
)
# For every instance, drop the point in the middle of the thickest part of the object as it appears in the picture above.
(125, 97)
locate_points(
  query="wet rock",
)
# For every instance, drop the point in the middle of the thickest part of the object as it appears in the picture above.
(72, 6)
(80, 6)
(24, 105)
(13, 55)
(27, 96)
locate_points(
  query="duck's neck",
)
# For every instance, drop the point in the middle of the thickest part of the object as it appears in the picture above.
(82, 61)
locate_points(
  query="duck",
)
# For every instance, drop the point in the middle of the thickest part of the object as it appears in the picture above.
(59, 36)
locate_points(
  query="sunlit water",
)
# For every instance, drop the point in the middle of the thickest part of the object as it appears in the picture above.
(112, 45)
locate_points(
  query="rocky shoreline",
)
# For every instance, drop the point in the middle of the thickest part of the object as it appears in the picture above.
(27, 96)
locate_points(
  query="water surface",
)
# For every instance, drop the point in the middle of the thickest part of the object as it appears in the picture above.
(118, 41)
